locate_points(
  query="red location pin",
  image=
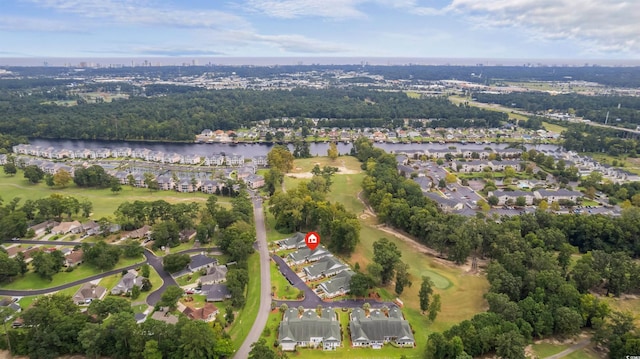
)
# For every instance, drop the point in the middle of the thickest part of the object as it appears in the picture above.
(312, 239)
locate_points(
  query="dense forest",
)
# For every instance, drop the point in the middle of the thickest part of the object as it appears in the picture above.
(585, 138)
(611, 76)
(594, 108)
(535, 291)
(179, 117)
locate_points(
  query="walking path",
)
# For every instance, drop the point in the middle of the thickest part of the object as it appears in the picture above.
(578, 346)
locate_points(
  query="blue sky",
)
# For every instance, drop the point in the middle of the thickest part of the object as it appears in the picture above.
(537, 29)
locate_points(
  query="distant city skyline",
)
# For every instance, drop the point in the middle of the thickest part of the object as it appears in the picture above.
(426, 29)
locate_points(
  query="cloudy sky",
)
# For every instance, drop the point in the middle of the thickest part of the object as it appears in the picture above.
(553, 29)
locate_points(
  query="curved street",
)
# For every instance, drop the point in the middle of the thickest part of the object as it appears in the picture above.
(265, 283)
(150, 258)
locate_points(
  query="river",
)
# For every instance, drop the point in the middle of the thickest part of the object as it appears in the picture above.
(250, 150)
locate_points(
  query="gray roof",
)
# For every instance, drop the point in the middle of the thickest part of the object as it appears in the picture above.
(295, 328)
(216, 292)
(377, 326)
(127, 282)
(296, 240)
(308, 254)
(512, 194)
(215, 274)
(326, 265)
(561, 192)
(424, 182)
(200, 260)
(341, 281)
(440, 200)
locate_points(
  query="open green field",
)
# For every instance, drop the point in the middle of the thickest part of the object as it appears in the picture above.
(33, 281)
(491, 107)
(544, 350)
(461, 293)
(346, 164)
(104, 201)
(586, 353)
(412, 94)
(245, 318)
(625, 305)
(553, 128)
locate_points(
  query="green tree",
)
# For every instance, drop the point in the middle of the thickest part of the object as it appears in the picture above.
(197, 340)
(510, 345)
(521, 201)
(360, 284)
(332, 152)
(260, 350)
(47, 264)
(280, 158)
(33, 174)
(132, 249)
(101, 309)
(175, 262)
(135, 292)
(426, 289)
(402, 277)
(10, 169)
(166, 233)
(434, 307)
(116, 186)
(386, 254)
(171, 296)
(62, 178)
(145, 270)
(229, 316)
(493, 200)
(151, 350)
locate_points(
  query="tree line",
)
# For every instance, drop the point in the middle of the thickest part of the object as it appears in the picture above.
(178, 117)
(55, 326)
(535, 291)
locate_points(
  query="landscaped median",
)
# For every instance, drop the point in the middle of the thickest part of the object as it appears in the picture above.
(245, 318)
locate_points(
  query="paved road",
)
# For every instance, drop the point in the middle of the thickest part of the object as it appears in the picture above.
(24, 293)
(578, 346)
(150, 258)
(167, 279)
(265, 283)
(312, 300)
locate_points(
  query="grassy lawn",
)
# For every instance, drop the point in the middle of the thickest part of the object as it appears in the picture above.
(586, 353)
(625, 305)
(544, 350)
(305, 165)
(553, 128)
(626, 163)
(491, 107)
(283, 289)
(245, 318)
(104, 201)
(110, 281)
(32, 281)
(189, 278)
(156, 282)
(412, 94)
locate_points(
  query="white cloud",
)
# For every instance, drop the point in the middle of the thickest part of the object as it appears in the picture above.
(288, 43)
(144, 13)
(333, 9)
(599, 25)
(20, 23)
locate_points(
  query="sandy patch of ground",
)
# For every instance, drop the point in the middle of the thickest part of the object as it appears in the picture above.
(341, 171)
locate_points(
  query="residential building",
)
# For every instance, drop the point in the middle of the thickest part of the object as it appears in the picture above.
(501, 165)
(559, 195)
(206, 313)
(144, 232)
(307, 255)
(165, 316)
(216, 292)
(165, 183)
(200, 261)
(127, 283)
(89, 292)
(187, 234)
(307, 329)
(325, 267)
(445, 204)
(260, 161)
(254, 181)
(505, 197)
(215, 274)
(376, 329)
(234, 160)
(210, 186)
(74, 258)
(214, 160)
(188, 185)
(66, 227)
(41, 228)
(473, 166)
(295, 241)
(190, 159)
(338, 285)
